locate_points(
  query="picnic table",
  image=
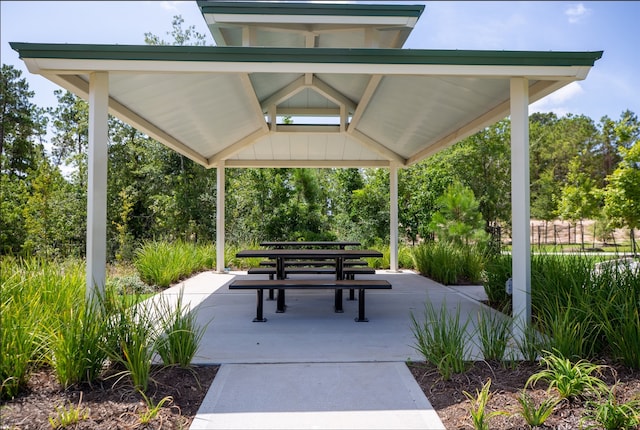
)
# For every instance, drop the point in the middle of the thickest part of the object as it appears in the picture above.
(280, 283)
(281, 255)
(309, 244)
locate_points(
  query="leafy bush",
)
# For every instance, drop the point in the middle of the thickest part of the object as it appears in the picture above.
(180, 336)
(569, 379)
(613, 415)
(441, 339)
(494, 331)
(163, 263)
(448, 263)
(497, 270)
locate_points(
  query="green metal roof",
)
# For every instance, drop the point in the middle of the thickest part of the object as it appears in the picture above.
(343, 9)
(304, 55)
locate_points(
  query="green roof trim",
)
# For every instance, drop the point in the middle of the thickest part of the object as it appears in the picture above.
(255, 8)
(304, 55)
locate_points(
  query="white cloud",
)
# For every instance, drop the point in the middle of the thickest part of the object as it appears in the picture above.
(576, 12)
(555, 102)
(170, 5)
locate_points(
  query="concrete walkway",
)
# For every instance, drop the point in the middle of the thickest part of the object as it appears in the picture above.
(310, 367)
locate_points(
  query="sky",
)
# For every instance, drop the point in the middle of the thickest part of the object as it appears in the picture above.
(611, 87)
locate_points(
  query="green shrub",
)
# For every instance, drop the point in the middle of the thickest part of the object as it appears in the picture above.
(536, 415)
(34, 293)
(569, 379)
(448, 263)
(494, 331)
(479, 416)
(612, 414)
(441, 339)
(76, 344)
(180, 335)
(164, 263)
(497, 271)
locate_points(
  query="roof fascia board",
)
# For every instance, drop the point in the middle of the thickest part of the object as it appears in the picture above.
(74, 67)
(213, 19)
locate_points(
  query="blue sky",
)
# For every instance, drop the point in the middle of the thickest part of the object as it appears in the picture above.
(611, 87)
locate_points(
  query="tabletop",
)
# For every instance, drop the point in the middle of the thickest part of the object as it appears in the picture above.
(303, 244)
(309, 253)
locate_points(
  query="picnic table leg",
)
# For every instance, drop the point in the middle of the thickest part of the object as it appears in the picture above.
(361, 317)
(270, 293)
(259, 316)
(280, 303)
(352, 295)
(338, 301)
(280, 274)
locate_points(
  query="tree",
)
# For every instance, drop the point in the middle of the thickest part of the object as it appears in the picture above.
(181, 37)
(622, 195)
(22, 125)
(580, 196)
(458, 220)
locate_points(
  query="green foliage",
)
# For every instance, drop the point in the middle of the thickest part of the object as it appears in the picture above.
(458, 219)
(622, 195)
(567, 378)
(163, 263)
(536, 415)
(479, 416)
(66, 416)
(449, 263)
(76, 344)
(497, 270)
(494, 331)
(34, 296)
(612, 414)
(442, 339)
(153, 409)
(586, 312)
(180, 334)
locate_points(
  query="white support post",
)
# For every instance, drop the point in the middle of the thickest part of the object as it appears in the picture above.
(393, 219)
(97, 183)
(220, 263)
(520, 205)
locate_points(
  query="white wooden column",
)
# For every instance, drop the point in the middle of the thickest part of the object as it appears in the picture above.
(520, 204)
(393, 219)
(220, 196)
(97, 183)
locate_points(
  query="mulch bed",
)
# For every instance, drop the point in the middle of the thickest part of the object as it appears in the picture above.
(453, 406)
(115, 405)
(111, 404)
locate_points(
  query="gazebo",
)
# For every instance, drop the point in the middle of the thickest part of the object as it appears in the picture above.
(356, 98)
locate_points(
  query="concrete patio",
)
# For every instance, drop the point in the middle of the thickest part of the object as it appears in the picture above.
(310, 367)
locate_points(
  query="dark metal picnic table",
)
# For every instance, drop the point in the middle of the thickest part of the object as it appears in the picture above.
(341, 244)
(280, 255)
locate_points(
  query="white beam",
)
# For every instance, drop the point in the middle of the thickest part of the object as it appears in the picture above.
(284, 93)
(236, 147)
(373, 84)
(97, 184)
(376, 146)
(306, 163)
(332, 94)
(520, 205)
(220, 208)
(393, 218)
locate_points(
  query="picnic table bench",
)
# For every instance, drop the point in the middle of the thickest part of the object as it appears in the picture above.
(305, 284)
